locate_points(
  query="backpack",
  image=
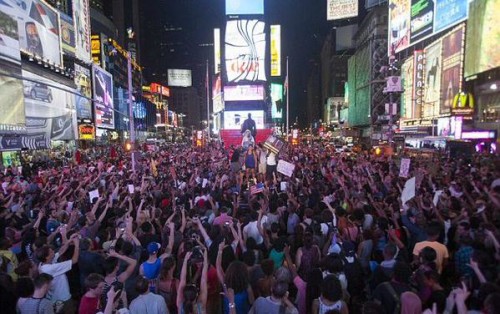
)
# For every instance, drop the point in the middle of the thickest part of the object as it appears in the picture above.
(395, 296)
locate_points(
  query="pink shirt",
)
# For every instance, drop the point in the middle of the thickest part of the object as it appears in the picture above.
(222, 219)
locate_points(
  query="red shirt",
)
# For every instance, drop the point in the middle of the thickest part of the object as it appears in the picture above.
(89, 305)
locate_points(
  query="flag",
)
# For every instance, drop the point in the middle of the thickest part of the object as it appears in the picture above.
(256, 188)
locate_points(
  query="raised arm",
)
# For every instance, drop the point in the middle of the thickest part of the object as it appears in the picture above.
(218, 263)
(203, 283)
(182, 281)
(130, 268)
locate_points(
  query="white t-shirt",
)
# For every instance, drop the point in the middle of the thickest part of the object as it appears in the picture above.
(59, 289)
(271, 159)
(251, 230)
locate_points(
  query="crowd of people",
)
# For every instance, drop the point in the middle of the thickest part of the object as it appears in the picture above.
(212, 230)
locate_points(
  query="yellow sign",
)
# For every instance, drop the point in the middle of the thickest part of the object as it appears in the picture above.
(275, 50)
(86, 132)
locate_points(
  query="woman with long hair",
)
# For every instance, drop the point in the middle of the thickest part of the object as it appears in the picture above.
(189, 300)
(167, 284)
(330, 298)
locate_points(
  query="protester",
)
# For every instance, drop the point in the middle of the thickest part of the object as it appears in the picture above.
(209, 236)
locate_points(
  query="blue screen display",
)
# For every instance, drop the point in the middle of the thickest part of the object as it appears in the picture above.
(244, 7)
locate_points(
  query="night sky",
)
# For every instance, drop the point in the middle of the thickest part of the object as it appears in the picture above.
(303, 23)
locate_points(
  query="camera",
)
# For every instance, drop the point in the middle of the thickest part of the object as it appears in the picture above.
(197, 255)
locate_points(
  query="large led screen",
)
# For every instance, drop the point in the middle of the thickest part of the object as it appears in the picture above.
(432, 73)
(275, 50)
(407, 96)
(233, 120)
(12, 118)
(245, 51)
(451, 78)
(277, 101)
(81, 17)
(341, 9)
(217, 50)
(49, 108)
(411, 21)
(38, 28)
(244, 7)
(180, 78)
(217, 101)
(243, 92)
(103, 98)
(483, 36)
(84, 93)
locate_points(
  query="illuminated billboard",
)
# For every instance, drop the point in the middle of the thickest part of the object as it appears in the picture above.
(243, 92)
(341, 9)
(67, 30)
(217, 50)
(418, 82)
(407, 96)
(233, 120)
(217, 101)
(9, 35)
(277, 101)
(179, 78)
(275, 50)
(432, 76)
(103, 98)
(451, 78)
(482, 37)
(244, 7)
(245, 51)
(49, 111)
(37, 27)
(81, 18)
(411, 21)
(83, 99)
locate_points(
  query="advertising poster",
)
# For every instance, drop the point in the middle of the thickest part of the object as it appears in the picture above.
(38, 28)
(81, 16)
(67, 34)
(275, 50)
(9, 35)
(12, 119)
(277, 101)
(49, 111)
(341, 9)
(449, 13)
(407, 97)
(482, 37)
(419, 83)
(432, 76)
(244, 7)
(399, 25)
(422, 19)
(83, 99)
(218, 103)
(233, 120)
(243, 92)
(103, 98)
(180, 78)
(452, 66)
(245, 51)
(217, 50)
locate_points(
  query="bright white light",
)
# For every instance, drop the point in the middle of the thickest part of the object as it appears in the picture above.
(493, 86)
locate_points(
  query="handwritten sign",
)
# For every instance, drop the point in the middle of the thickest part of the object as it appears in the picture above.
(285, 168)
(408, 191)
(404, 169)
(93, 194)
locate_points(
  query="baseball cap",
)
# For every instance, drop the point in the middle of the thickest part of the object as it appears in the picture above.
(153, 247)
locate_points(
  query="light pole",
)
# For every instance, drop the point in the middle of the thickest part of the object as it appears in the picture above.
(131, 109)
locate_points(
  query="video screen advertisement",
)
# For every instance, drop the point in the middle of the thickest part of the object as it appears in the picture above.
(407, 74)
(233, 120)
(217, 101)
(451, 78)
(432, 73)
(411, 21)
(38, 27)
(84, 96)
(483, 35)
(81, 18)
(276, 101)
(275, 50)
(49, 111)
(217, 51)
(9, 35)
(245, 51)
(102, 82)
(243, 92)
(244, 7)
